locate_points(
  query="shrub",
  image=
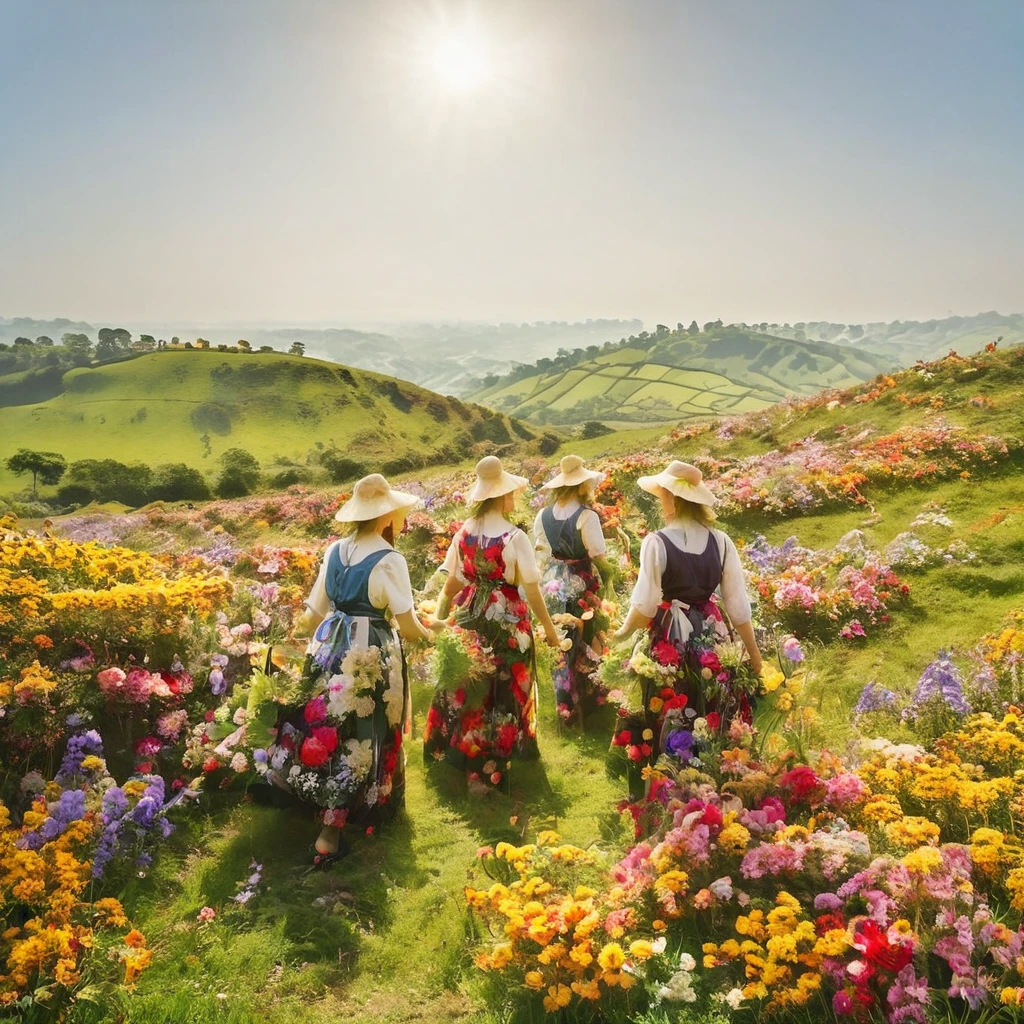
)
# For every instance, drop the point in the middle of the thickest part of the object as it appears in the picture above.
(177, 482)
(550, 442)
(74, 494)
(341, 468)
(594, 428)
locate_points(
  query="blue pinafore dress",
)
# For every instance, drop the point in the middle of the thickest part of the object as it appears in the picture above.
(341, 749)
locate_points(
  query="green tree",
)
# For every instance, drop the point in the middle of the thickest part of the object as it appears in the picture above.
(79, 346)
(23, 342)
(112, 342)
(110, 480)
(297, 349)
(694, 328)
(594, 428)
(44, 342)
(46, 466)
(175, 481)
(240, 473)
(243, 346)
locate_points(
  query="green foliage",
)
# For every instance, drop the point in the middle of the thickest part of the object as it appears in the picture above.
(342, 468)
(46, 466)
(594, 428)
(110, 480)
(240, 473)
(177, 482)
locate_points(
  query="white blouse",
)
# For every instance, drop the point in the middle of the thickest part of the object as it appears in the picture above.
(691, 537)
(520, 563)
(589, 525)
(388, 587)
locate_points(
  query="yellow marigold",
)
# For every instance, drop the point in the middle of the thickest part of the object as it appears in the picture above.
(558, 997)
(911, 832)
(611, 957)
(1015, 886)
(922, 860)
(548, 838)
(882, 808)
(587, 989)
(734, 838)
(834, 942)
(672, 881)
(641, 949)
(534, 980)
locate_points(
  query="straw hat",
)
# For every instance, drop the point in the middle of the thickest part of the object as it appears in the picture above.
(492, 481)
(373, 497)
(571, 473)
(682, 480)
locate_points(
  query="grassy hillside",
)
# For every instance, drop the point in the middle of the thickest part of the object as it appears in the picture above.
(191, 406)
(675, 375)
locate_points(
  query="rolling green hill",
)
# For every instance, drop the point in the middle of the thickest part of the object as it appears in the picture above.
(191, 406)
(676, 375)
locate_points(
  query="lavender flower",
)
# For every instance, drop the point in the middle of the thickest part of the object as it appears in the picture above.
(940, 683)
(80, 745)
(874, 698)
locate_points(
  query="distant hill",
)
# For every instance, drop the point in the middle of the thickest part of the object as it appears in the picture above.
(675, 375)
(191, 406)
(907, 341)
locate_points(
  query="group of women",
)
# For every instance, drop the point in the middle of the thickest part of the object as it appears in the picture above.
(497, 579)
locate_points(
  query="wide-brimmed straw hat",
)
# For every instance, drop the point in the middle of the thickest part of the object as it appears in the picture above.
(682, 480)
(372, 497)
(572, 472)
(492, 481)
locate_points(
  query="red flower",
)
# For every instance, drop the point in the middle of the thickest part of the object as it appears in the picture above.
(390, 760)
(802, 783)
(622, 739)
(665, 653)
(211, 764)
(505, 740)
(872, 940)
(328, 736)
(679, 701)
(316, 710)
(709, 659)
(829, 922)
(313, 753)
(459, 697)
(714, 720)
(434, 720)
(712, 817)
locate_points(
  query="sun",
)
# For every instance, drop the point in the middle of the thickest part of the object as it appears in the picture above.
(462, 61)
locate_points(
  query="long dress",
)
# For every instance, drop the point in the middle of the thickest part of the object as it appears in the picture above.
(341, 748)
(572, 587)
(681, 673)
(481, 726)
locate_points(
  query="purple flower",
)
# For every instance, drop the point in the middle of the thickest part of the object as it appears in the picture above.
(874, 698)
(791, 649)
(80, 745)
(941, 684)
(679, 744)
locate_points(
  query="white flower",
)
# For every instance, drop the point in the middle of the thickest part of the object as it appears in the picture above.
(371, 796)
(523, 640)
(359, 758)
(239, 716)
(364, 706)
(239, 763)
(686, 962)
(658, 945)
(734, 997)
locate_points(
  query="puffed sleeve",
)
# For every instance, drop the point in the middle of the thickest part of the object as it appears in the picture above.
(647, 591)
(318, 601)
(734, 586)
(592, 534)
(540, 537)
(390, 586)
(452, 564)
(520, 563)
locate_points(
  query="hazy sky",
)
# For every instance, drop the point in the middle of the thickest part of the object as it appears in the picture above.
(667, 159)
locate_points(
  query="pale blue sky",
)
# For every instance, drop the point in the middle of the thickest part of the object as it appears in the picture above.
(296, 160)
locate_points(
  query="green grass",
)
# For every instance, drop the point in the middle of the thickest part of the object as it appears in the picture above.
(158, 407)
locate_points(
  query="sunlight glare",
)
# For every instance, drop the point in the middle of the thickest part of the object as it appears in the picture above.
(462, 61)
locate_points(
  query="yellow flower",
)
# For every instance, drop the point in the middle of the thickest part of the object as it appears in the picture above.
(611, 957)
(641, 949)
(558, 996)
(534, 980)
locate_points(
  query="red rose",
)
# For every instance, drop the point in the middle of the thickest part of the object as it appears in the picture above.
(633, 753)
(328, 736)
(622, 739)
(316, 710)
(712, 816)
(802, 783)
(679, 701)
(665, 653)
(313, 753)
(211, 764)
(714, 720)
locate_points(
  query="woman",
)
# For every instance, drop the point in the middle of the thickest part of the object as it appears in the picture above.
(568, 535)
(341, 749)
(479, 725)
(681, 567)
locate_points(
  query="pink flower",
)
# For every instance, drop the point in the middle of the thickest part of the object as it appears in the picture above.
(206, 915)
(110, 680)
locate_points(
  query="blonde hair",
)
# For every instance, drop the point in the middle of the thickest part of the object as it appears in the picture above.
(695, 511)
(583, 492)
(364, 527)
(481, 508)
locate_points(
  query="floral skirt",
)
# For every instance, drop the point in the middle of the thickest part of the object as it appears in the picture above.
(481, 723)
(571, 591)
(341, 749)
(686, 689)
